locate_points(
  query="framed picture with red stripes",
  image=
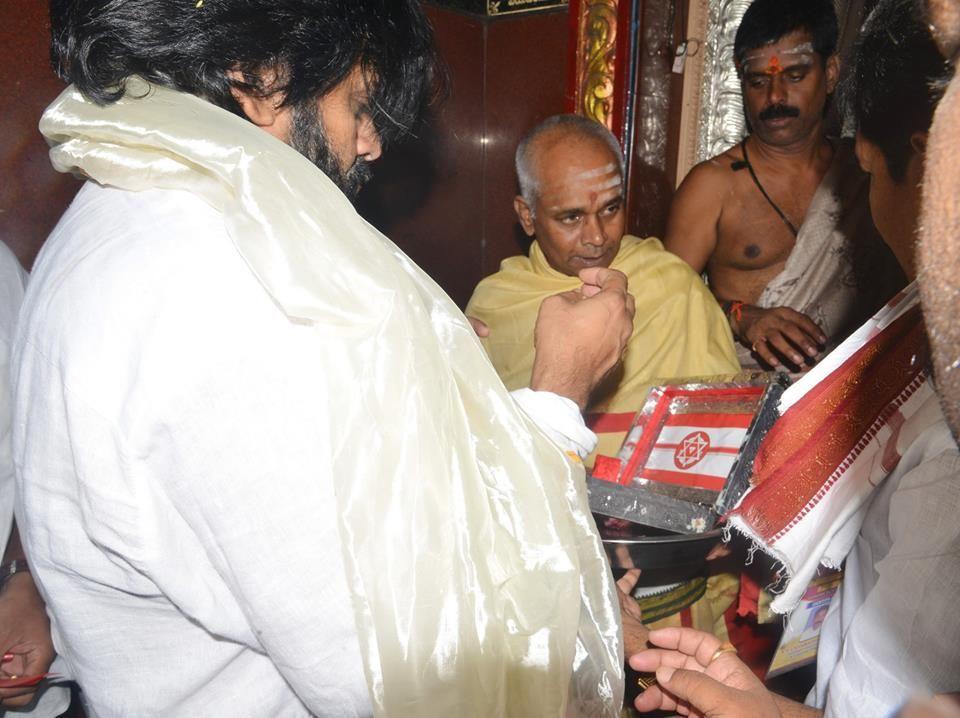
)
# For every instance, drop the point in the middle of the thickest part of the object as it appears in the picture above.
(683, 449)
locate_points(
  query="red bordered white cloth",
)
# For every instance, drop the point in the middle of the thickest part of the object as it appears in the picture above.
(842, 430)
(696, 450)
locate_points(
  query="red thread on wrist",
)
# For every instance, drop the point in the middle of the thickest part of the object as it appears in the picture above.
(734, 308)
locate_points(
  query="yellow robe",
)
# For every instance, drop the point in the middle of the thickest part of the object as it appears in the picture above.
(678, 331)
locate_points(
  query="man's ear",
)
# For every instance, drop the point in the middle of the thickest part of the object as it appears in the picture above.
(525, 215)
(918, 160)
(918, 142)
(266, 112)
(864, 150)
(833, 72)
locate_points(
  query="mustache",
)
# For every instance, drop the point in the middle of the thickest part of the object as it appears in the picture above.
(777, 111)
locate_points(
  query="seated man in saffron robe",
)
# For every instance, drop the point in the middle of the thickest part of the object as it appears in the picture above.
(570, 171)
(571, 202)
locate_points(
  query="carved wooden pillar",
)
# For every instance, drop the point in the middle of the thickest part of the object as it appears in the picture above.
(600, 64)
(620, 75)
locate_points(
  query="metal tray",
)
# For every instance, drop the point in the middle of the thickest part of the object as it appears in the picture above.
(662, 556)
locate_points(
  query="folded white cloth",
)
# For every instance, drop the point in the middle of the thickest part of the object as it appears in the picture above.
(843, 429)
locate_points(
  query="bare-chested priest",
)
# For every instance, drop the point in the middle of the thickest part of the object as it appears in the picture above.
(780, 223)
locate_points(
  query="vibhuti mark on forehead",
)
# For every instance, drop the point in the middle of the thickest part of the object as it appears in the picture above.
(778, 60)
(594, 183)
(598, 180)
(598, 172)
(615, 181)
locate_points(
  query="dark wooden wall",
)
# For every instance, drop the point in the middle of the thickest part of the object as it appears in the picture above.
(32, 195)
(447, 200)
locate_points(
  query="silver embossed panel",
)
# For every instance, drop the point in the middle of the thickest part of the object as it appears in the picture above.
(721, 107)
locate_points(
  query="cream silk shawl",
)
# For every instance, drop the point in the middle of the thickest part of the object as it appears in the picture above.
(479, 582)
(678, 329)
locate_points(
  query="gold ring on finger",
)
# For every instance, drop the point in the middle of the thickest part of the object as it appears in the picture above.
(725, 647)
(646, 680)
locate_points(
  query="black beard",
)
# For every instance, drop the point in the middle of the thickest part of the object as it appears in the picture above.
(308, 138)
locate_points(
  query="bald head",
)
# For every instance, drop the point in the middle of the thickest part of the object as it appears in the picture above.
(571, 179)
(555, 131)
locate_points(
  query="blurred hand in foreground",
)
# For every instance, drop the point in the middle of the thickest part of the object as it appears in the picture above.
(634, 632)
(697, 675)
(24, 633)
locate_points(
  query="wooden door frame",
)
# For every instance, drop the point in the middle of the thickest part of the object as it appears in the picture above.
(599, 69)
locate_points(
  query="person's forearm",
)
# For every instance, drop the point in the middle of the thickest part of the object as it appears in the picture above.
(14, 550)
(22, 579)
(563, 381)
(792, 709)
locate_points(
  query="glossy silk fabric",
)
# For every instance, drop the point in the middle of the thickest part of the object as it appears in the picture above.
(479, 582)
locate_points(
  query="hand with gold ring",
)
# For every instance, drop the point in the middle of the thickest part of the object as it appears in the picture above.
(697, 675)
(725, 647)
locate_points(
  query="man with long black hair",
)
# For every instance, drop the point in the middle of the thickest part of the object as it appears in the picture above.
(779, 223)
(264, 467)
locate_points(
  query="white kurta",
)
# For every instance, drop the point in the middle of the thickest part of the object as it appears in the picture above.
(12, 282)
(53, 700)
(892, 630)
(171, 424)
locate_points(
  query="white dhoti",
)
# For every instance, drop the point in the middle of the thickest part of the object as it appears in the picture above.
(839, 271)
